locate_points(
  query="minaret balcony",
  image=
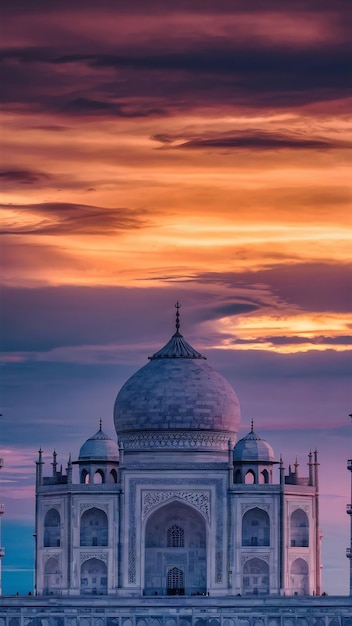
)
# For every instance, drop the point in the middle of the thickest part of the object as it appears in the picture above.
(349, 553)
(349, 465)
(2, 509)
(349, 509)
(2, 552)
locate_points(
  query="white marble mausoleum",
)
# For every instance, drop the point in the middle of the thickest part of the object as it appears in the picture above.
(177, 505)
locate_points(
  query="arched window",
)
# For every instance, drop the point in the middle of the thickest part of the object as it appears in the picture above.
(84, 477)
(264, 477)
(299, 529)
(52, 576)
(113, 476)
(238, 477)
(175, 581)
(256, 528)
(94, 528)
(99, 477)
(52, 529)
(255, 577)
(299, 577)
(94, 577)
(249, 478)
(175, 537)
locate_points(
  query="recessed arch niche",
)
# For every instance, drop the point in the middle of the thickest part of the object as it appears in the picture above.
(94, 577)
(175, 551)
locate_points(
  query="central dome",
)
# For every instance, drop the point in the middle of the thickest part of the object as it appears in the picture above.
(177, 400)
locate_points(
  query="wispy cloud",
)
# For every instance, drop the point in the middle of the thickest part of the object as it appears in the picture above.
(58, 218)
(253, 139)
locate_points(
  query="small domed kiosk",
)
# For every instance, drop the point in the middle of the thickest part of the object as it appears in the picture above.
(253, 459)
(98, 459)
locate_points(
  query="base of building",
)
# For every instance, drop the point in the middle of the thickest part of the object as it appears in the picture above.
(177, 611)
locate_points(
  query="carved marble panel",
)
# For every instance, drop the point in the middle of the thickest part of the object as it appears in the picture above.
(199, 499)
(85, 556)
(94, 505)
(246, 506)
(264, 556)
(169, 439)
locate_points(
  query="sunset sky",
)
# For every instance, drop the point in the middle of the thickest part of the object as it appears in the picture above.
(158, 151)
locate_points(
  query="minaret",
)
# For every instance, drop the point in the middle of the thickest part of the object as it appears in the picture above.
(282, 525)
(2, 550)
(38, 483)
(317, 527)
(349, 512)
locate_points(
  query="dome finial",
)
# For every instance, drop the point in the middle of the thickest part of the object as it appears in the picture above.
(100, 424)
(252, 426)
(178, 306)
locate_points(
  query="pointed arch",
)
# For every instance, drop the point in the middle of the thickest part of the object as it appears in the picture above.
(264, 477)
(255, 578)
(175, 581)
(94, 577)
(94, 528)
(99, 477)
(250, 478)
(52, 576)
(84, 477)
(52, 531)
(113, 476)
(175, 536)
(299, 577)
(256, 528)
(238, 477)
(299, 528)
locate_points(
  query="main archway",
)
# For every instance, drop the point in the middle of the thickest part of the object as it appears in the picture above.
(175, 551)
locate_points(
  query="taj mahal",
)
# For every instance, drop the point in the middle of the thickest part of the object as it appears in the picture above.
(178, 520)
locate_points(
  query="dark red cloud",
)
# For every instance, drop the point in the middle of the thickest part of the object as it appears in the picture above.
(22, 177)
(250, 139)
(57, 218)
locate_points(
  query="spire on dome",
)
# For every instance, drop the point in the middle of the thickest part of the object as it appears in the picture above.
(100, 424)
(178, 306)
(177, 347)
(252, 426)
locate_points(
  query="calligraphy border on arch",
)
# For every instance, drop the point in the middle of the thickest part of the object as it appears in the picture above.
(199, 499)
(175, 484)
